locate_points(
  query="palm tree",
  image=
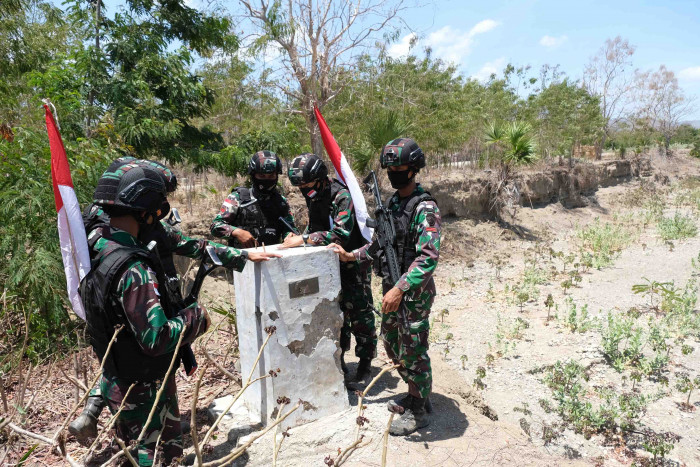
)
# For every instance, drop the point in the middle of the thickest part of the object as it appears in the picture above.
(513, 145)
(384, 127)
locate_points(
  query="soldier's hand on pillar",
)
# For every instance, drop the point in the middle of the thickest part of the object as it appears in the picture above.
(244, 237)
(257, 257)
(392, 300)
(292, 241)
(343, 255)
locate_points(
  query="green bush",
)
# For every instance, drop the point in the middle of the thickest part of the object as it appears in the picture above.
(31, 268)
(603, 241)
(677, 227)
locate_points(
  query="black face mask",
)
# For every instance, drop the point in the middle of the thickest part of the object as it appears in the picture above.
(400, 179)
(265, 185)
(314, 192)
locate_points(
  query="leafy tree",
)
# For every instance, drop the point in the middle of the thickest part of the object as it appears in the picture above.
(565, 115)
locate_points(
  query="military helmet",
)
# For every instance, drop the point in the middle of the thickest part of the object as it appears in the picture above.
(265, 162)
(307, 168)
(402, 151)
(169, 177)
(133, 187)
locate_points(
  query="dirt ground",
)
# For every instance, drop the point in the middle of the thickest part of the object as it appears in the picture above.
(503, 422)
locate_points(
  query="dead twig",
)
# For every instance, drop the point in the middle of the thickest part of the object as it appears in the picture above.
(162, 386)
(99, 373)
(125, 451)
(109, 425)
(385, 443)
(193, 416)
(236, 453)
(70, 379)
(248, 383)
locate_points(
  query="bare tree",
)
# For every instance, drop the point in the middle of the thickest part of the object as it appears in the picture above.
(662, 103)
(319, 40)
(608, 76)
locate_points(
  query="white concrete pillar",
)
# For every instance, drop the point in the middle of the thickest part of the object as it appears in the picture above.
(298, 294)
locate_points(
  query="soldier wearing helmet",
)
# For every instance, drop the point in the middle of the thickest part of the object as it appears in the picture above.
(417, 221)
(251, 216)
(332, 219)
(127, 286)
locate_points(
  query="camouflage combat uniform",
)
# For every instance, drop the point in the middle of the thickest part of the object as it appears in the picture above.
(145, 347)
(356, 290)
(418, 286)
(258, 213)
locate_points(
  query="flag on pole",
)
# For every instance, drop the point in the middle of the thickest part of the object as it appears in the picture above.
(71, 231)
(345, 175)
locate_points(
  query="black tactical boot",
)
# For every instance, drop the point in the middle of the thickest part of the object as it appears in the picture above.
(398, 406)
(343, 366)
(85, 426)
(364, 371)
(412, 419)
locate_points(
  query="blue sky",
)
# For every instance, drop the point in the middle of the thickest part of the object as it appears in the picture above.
(482, 37)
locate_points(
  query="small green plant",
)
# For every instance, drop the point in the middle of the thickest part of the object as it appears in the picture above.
(444, 312)
(686, 385)
(659, 445)
(687, 349)
(603, 241)
(621, 340)
(652, 290)
(577, 320)
(464, 359)
(678, 227)
(448, 338)
(549, 303)
(566, 285)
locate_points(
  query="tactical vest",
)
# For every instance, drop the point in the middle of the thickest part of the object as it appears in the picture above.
(320, 217)
(103, 312)
(405, 246)
(94, 217)
(260, 217)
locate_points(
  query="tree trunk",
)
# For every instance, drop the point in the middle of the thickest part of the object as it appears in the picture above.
(599, 150)
(314, 133)
(667, 145)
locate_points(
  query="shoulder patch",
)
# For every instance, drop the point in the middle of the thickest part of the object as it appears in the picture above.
(430, 218)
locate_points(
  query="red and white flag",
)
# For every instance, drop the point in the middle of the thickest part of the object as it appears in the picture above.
(345, 175)
(71, 231)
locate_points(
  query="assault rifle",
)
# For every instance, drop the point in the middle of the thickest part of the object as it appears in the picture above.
(385, 232)
(210, 261)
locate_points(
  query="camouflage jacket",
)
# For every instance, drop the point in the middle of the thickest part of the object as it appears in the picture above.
(424, 234)
(229, 217)
(137, 296)
(175, 242)
(343, 214)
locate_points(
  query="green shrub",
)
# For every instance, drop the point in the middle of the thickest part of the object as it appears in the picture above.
(677, 227)
(603, 241)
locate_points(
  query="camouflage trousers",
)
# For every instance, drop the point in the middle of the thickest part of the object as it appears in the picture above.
(411, 350)
(358, 317)
(164, 425)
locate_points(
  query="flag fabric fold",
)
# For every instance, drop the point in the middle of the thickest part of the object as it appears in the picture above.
(71, 231)
(345, 175)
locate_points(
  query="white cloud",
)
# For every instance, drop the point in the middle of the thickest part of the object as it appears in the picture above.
(401, 48)
(447, 43)
(490, 68)
(552, 42)
(690, 74)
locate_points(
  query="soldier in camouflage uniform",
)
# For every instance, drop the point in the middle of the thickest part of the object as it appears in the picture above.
(332, 220)
(122, 288)
(251, 216)
(417, 220)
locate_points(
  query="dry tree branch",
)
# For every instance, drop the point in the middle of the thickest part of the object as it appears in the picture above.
(219, 366)
(162, 386)
(236, 453)
(125, 451)
(275, 445)
(70, 379)
(385, 443)
(43, 383)
(193, 416)
(248, 383)
(117, 329)
(109, 425)
(361, 396)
